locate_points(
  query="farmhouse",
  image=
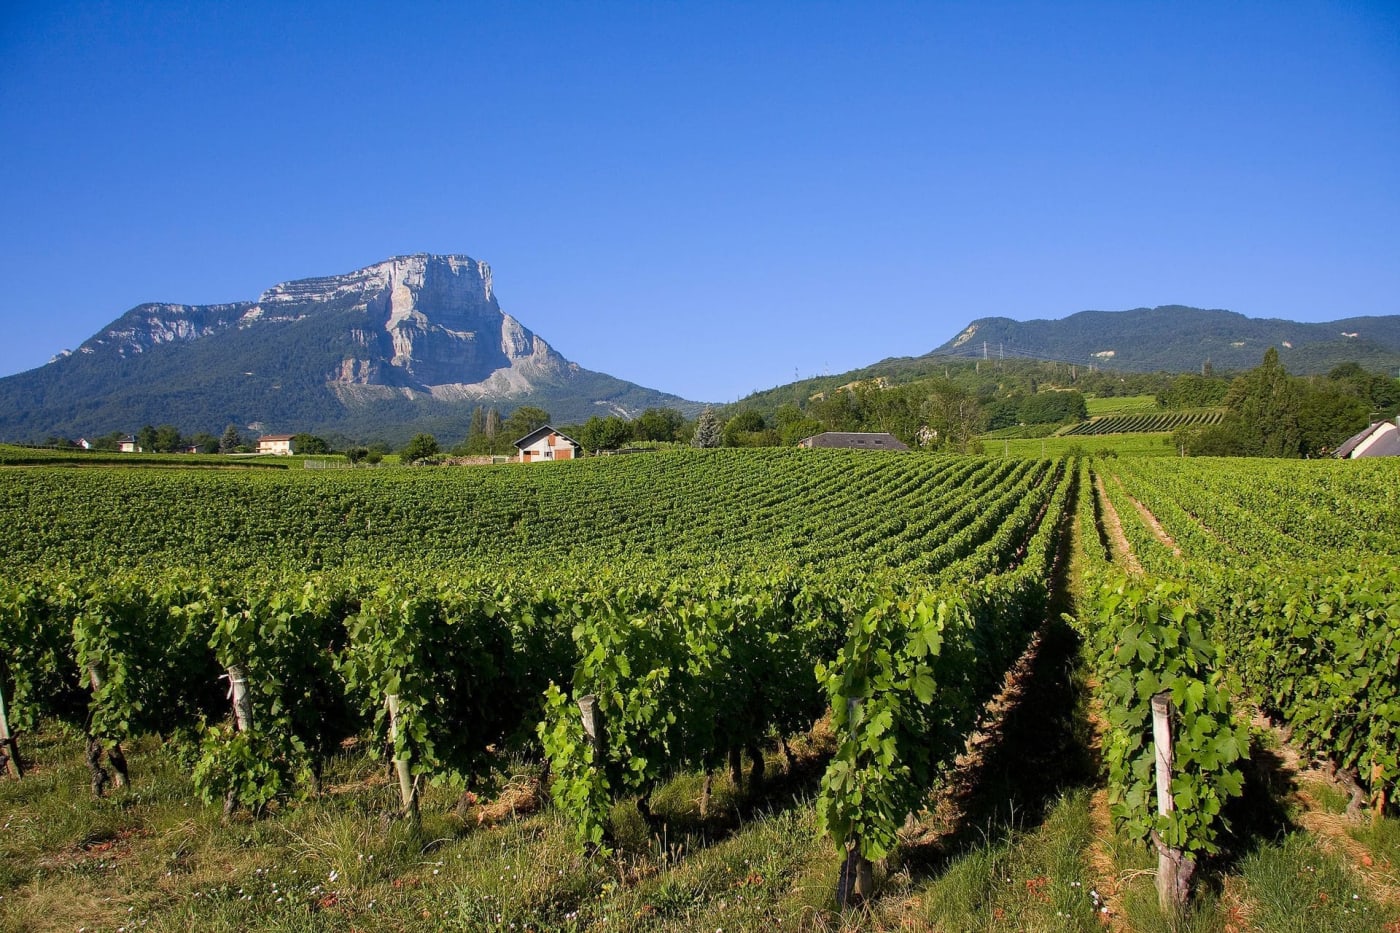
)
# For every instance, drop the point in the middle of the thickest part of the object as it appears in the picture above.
(1381, 439)
(275, 444)
(854, 440)
(547, 444)
(128, 445)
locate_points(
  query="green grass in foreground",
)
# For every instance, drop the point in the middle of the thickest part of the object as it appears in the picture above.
(152, 857)
(11, 455)
(1123, 445)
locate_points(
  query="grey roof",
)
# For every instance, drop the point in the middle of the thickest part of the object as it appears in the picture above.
(856, 440)
(1387, 445)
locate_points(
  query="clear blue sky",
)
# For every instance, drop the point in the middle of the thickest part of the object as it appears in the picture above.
(705, 198)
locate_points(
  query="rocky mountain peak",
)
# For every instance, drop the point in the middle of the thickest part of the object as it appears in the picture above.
(414, 338)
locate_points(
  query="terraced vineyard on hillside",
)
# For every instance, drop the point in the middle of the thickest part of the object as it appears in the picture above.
(1146, 423)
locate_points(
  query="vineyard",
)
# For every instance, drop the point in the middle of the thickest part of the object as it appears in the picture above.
(1145, 423)
(711, 620)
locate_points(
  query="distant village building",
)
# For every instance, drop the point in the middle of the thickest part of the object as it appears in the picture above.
(127, 445)
(854, 440)
(1381, 439)
(276, 444)
(83, 443)
(545, 443)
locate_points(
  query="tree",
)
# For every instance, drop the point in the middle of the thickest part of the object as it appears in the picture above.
(421, 447)
(310, 444)
(1052, 408)
(746, 429)
(708, 430)
(1264, 405)
(522, 421)
(658, 424)
(1328, 415)
(793, 424)
(954, 418)
(167, 439)
(146, 438)
(1192, 391)
(356, 454)
(230, 441)
(204, 443)
(604, 433)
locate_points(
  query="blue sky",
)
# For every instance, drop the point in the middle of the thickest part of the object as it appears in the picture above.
(706, 198)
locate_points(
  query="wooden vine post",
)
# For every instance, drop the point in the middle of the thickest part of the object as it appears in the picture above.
(8, 749)
(408, 791)
(1174, 869)
(592, 718)
(115, 756)
(242, 702)
(242, 714)
(856, 883)
(592, 725)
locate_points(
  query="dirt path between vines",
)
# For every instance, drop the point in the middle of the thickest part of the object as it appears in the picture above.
(1150, 520)
(1113, 525)
(1304, 780)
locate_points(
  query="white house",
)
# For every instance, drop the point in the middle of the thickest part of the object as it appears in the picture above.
(1381, 439)
(127, 445)
(545, 443)
(275, 444)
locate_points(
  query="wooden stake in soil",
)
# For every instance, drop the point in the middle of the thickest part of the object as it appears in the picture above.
(8, 748)
(856, 882)
(242, 702)
(1174, 869)
(592, 725)
(242, 717)
(408, 792)
(114, 754)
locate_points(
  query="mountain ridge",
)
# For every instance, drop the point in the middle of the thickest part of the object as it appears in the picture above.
(384, 351)
(1179, 338)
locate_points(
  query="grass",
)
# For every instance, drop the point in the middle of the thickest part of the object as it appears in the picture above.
(1119, 445)
(1023, 878)
(1121, 405)
(1292, 884)
(152, 857)
(11, 455)
(1018, 850)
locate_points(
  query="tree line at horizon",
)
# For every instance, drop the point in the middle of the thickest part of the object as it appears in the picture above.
(1267, 413)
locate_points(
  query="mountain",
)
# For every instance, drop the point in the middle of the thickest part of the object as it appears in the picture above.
(1110, 353)
(410, 344)
(1174, 338)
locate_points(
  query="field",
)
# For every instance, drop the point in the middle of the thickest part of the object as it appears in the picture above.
(692, 690)
(1121, 405)
(1127, 445)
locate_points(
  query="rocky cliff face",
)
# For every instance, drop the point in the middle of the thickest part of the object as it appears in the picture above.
(431, 324)
(411, 343)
